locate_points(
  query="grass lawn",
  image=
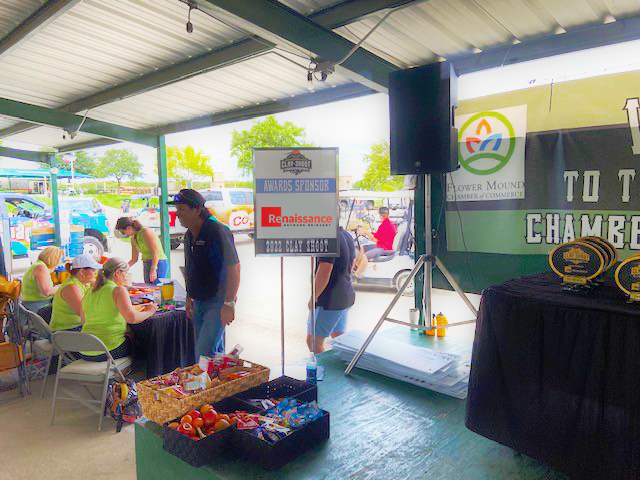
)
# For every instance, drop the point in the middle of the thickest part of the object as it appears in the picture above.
(108, 199)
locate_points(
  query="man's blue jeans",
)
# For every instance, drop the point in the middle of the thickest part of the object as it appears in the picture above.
(208, 325)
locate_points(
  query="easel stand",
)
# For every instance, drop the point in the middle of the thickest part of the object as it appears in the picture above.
(426, 261)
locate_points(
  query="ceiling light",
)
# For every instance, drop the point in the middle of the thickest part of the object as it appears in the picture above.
(609, 19)
(560, 30)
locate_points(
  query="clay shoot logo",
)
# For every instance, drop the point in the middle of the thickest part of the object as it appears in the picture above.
(295, 163)
(491, 156)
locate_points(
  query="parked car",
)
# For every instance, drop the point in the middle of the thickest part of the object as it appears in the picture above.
(26, 212)
(149, 216)
(231, 206)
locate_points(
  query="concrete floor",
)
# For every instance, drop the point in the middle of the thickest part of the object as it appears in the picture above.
(73, 448)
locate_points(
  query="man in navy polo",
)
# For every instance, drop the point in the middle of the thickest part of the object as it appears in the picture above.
(212, 271)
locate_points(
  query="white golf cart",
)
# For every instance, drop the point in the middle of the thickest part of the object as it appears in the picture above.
(392, 267)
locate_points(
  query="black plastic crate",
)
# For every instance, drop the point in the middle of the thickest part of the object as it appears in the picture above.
(272, 456)
(282, 387)
(206, 450)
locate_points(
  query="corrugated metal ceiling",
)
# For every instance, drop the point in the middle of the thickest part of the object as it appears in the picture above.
(13, 13)
(99, 44)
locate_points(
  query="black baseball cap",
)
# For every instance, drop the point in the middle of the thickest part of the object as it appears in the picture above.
(189, 197)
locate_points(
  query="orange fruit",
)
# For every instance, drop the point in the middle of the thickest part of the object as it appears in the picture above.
(205, 408)
(186, 419)
(197, 422)
(173, 425)
(224, 416)
(221, 425)
(233, 420)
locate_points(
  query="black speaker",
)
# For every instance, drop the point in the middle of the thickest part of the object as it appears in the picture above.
(421, 105)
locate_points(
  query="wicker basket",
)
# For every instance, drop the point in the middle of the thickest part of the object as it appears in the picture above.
(160, 407)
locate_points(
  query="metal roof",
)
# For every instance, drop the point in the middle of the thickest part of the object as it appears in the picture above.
(132, 62)
(37, 173)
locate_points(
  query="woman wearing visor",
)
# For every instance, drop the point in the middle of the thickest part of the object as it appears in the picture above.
(67, 302)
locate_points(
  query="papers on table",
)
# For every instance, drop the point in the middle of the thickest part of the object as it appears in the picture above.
(440, 371)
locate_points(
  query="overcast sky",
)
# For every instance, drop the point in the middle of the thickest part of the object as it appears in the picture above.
(354, 125)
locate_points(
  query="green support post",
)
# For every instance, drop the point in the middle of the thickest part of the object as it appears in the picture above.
(54, 199)
(164, 210)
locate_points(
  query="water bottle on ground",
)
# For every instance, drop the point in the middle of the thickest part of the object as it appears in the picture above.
(312, 369)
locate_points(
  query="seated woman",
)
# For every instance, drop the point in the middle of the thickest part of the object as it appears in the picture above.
(383, 238)
(145, 241)
(67, 301)
(107, 309)
(37, 286)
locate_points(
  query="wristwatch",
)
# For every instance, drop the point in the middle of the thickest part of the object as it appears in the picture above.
(231, 304)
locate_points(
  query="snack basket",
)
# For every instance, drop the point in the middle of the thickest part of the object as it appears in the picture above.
(160, 407)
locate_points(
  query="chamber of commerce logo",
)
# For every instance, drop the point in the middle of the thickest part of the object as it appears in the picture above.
(486, 143)
(295, 163)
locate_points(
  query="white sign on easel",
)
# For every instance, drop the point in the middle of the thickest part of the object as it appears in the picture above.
(296, 202)
(296, 209)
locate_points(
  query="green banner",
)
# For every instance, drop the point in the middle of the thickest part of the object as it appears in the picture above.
(539, 167)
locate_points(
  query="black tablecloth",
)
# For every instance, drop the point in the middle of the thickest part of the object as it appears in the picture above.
(556, 375)
(166, 341)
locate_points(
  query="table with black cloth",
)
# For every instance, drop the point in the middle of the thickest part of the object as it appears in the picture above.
(556, 375)
(166, 341)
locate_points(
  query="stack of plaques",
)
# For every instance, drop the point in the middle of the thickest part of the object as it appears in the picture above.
(627, 277)
(582, 261)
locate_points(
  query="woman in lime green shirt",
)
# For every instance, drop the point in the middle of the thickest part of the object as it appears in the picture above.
(107, 309)
(37, 286)
(67, 301)
(145, 241)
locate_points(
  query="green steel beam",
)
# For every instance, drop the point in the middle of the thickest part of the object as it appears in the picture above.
(575, 39)
(24, 154)
(272, 17)
(355, 10)
(164, 210)
(54, 200)
(328, 95)
(47, 13)
(207, 62)
(71, 122)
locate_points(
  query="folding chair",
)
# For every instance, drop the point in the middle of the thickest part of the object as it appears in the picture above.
(40, 339)
(83, 370)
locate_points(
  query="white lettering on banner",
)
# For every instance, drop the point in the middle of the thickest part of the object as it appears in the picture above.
(588, 230)
(616, 226)
(632, 106)
(634, 244)
(626, 175)
(590, 190)
(569, 233)
(570, 177)
(533, 236)
(553, 228)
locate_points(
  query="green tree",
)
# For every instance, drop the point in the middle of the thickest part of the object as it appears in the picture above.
(187, 164)
(119, 164)
(85, 163)
(265, 133)
(378, 176)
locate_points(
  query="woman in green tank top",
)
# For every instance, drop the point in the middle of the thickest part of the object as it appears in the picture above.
(37, 287)
(67, 302)
(107, 309)
(145, 241)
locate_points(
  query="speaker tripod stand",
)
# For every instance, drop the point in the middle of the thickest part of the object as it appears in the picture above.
(426, 262)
